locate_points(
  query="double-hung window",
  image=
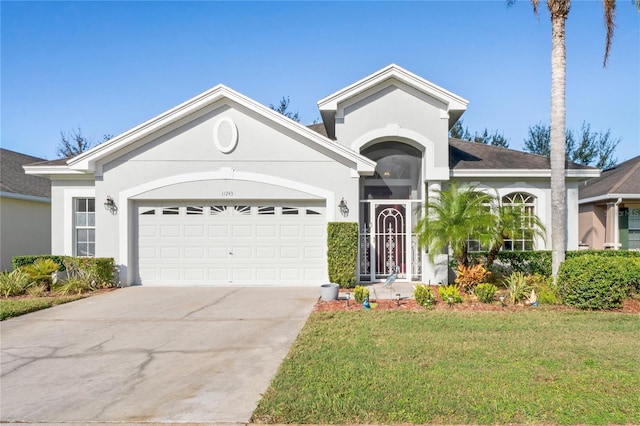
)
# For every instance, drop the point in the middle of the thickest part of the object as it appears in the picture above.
(85, 227)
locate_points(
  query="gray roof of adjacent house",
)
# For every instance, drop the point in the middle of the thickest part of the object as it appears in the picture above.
(623, 179)
(13, 179)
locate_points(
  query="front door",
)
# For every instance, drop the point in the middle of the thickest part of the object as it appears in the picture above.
(385, 240)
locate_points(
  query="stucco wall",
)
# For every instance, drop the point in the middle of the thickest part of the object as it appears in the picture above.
(592, 226)
(63, 193)
(396, 109)
(25, 228)
(269, 162)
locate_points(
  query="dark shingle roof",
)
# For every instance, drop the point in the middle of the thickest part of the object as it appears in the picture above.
(465, 155)
(621, 179)
(13, 179)
(319, 128)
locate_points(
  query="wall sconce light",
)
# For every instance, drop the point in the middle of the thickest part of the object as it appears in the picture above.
(344, 209)
(110, 205)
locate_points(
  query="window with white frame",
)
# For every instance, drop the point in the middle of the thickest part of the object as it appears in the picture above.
(526, 203)
(85, 227)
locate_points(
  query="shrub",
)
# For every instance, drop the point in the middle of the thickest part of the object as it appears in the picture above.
(452, 291)
(103, 267)
(37, 290)
(342, 253)
(423, 295)
(14, 283)
(470, 276)
(597, 282)
(545, 288)
(518, 287)
(20, 261)
(360, 293)
(539, 262)
(485, 292)
(41, 270)
(74, 286)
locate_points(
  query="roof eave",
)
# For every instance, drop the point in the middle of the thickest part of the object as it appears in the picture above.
(581, 173)
(453, 101)
(86, 162)
(607, 197)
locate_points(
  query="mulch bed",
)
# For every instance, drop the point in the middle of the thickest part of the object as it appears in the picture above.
(629, 306)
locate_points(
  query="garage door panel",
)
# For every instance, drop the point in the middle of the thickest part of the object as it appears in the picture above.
(218, 231)
(194, 253)
(311, 231)
(290, 253)
(195, 274)
(266, 231)
(266, 253)
(169, 231)
(243, 244)
(170, 274)
(170, 253)
(242, 231)
(289, 231)
(194, 231)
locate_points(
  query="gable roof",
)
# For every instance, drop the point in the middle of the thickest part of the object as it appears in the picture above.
(620, 181)
(14, 183)
(467, 156)
(86, 162)
(328, 106)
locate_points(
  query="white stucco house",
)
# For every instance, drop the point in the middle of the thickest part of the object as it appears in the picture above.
(221, 190)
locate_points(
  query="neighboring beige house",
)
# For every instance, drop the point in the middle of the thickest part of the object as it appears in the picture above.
(222, 190)
(610, 208)
(25, 209)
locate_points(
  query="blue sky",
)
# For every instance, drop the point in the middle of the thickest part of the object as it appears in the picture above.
(107, 66)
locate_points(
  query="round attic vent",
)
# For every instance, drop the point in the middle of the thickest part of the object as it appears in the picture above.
(225, 135)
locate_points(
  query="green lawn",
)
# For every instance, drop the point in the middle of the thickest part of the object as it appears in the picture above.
(15, 307)
(539, 366)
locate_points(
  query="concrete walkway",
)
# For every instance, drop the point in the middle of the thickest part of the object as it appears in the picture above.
(149, 355)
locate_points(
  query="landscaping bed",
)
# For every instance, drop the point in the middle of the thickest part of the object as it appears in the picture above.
(630, 305)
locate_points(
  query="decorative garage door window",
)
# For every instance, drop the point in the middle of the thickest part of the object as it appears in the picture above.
(246, 243)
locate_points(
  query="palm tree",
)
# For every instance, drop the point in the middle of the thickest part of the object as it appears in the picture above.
(452, 216)
(559, 10)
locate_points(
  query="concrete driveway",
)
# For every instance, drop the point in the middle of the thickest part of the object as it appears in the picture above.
(201, 355)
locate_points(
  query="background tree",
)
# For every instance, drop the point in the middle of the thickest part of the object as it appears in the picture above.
(461, 132)
(451, 217)
(74, 143)
(559, 10)
(283, 108)
(584, 147)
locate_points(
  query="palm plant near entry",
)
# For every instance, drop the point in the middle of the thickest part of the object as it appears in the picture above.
(512, 222)
(452, 216)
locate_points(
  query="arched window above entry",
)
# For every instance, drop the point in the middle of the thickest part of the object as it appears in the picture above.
(397, 174)
(527, 205)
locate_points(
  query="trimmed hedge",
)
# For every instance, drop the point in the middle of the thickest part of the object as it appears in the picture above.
(20, 261)
(539, 262)
(342, 253)
(598, 282)
(104, 267)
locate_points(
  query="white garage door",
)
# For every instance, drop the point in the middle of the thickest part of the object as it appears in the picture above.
(199, 244)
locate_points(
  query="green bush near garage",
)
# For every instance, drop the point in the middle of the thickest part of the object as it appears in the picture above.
(342, 253)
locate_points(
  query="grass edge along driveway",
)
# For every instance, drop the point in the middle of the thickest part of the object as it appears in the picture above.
(539, 366)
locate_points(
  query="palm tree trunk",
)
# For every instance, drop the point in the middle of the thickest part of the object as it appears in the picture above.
(559, 10)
